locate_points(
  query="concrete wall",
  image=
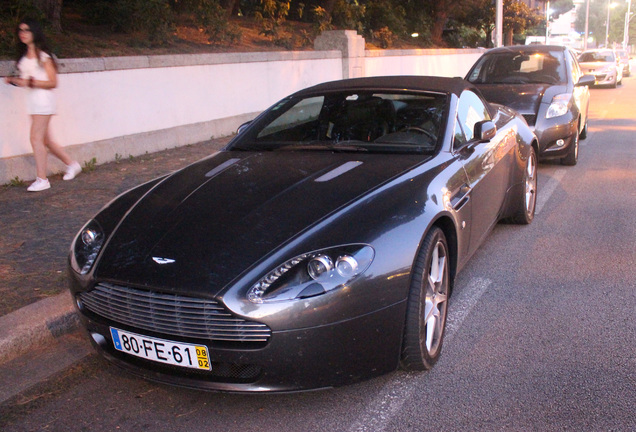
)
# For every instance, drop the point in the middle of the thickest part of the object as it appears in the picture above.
(123, 106)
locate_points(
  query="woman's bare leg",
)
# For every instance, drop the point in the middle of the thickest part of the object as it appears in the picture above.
(39, 127)
(56, 149)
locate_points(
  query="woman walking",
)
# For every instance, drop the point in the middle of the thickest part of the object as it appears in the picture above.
(38, 74)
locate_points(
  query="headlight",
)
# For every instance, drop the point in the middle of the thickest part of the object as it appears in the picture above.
(559, 106)
(86, 246)
(312, 274)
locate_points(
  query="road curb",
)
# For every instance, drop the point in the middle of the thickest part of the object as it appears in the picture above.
(36, 324)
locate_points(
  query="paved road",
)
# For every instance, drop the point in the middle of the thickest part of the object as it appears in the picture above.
(542, 331)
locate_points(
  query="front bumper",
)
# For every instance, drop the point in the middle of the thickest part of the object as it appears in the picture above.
(310, 358)
(556, 134)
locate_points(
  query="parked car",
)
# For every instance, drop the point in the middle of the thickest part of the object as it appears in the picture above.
(623, 58)
(604, 65)
(318, 248)
(545, 84)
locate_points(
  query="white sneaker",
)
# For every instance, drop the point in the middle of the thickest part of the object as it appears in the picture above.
(39, 185)
(72, 170)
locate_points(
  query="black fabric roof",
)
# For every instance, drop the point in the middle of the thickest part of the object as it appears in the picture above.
(398, 82)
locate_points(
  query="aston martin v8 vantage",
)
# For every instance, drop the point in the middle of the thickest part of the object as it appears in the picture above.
(318, 248)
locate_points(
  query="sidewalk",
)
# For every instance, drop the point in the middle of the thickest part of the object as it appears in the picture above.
(36, 230)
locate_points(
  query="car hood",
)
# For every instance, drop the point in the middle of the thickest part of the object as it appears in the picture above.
(525, 98)
(203, 226)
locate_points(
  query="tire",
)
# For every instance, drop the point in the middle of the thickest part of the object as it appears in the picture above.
(526, 201)
(572, 157)
(427, 304)
(583, 133)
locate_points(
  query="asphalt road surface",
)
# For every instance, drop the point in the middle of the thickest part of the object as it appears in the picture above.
(541, 331)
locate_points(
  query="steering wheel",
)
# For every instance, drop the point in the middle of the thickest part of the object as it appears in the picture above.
(419, 130)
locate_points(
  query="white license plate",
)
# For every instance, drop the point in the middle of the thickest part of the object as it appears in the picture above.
(160, 350)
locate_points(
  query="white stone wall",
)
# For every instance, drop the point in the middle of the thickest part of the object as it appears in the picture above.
(132, 105)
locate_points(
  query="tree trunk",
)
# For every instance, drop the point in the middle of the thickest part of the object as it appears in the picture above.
(441, 18)
(230, 6)
(53, 11)
(509, 35)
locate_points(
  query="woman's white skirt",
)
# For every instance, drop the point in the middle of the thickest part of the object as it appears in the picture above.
(40, 102)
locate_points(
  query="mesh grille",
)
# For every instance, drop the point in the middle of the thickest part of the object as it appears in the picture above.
(530, 119)
(172, 314)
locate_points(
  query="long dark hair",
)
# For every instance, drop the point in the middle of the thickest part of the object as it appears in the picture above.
(39, 40)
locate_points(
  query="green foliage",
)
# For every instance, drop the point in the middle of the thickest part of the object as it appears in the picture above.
(385, 37)
(16, 182)
(385, 13)
(465, 36)
(272, 15)
(322, 20)
(154, 18)
(349, 15)
(90, 165)
(11, 12)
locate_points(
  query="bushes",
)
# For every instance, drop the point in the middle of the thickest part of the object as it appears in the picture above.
(154, 18)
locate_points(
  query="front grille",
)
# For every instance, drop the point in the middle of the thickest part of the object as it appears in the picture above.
(171, 314)
(530, 119)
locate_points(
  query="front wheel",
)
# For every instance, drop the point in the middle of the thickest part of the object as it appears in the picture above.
(572, 157)
(427, 304)
(583, 134)
(526, 201)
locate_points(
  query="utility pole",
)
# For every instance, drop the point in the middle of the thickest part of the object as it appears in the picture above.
(587, 24)
(499, 24)
(627, 19)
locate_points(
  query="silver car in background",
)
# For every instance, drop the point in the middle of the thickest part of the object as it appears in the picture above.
(623, 57)
(604, 65)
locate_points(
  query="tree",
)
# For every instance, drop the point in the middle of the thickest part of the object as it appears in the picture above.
(52, 9)
(517, 18)
(598, 22)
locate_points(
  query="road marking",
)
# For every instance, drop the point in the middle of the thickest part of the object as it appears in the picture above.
(544, 194)
(389, 400)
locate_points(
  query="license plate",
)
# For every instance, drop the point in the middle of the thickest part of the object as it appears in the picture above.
(160, 350)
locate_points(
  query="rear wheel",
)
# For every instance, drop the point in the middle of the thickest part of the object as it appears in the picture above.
(573, 153)
(427, 304)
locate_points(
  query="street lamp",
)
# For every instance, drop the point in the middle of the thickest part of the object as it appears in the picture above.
(627, 19)
(609, 6)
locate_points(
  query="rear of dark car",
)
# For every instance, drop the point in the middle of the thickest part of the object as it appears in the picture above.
(543, 83)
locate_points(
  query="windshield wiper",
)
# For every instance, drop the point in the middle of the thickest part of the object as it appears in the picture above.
(343, 146)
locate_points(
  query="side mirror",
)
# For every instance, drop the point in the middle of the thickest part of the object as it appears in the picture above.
(242, 127)
(485, 130)
(586, 80)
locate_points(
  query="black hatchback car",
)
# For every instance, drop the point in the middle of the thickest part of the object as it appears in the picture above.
(544, 83)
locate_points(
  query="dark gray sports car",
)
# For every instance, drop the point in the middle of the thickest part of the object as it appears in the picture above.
(545, 84)
(317, 249)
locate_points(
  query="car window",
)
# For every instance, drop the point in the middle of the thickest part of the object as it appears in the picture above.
(470, 110)
(520, 68)
(575, 70)
(356, 120)
(459, 137)
(592, 56)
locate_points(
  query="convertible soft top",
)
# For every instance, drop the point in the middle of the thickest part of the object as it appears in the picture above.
(398, 82)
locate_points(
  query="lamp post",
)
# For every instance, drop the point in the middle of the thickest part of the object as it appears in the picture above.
(626, 31)
(587, 24)
(547, 21)
(609, 6)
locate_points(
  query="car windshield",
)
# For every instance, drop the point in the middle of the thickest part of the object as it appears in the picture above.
(519, 68)
(365, 121)
(590, 57)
